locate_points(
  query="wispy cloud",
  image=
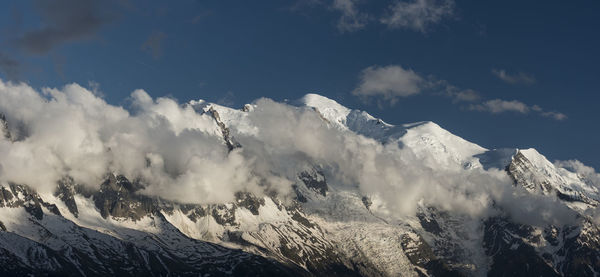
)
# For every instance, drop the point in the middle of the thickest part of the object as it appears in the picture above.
(551, 114)
(351, 19)
(154, 44)
(500, 106)
(497, 106)
(417, 15)
(457, 94)
(393, 82)
(414, 15)
(515, 78)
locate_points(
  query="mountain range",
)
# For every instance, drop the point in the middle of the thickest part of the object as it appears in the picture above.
(331, 191)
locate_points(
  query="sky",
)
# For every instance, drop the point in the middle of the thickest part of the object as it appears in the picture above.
(498, 73)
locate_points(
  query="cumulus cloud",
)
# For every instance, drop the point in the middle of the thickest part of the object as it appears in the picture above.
(389, 82)
(351, 19)
(63, 21)
(517, 78)
(417, 15)
(71, 132)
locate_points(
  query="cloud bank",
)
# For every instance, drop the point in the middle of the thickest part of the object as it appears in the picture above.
(178, 153)
(71, 132)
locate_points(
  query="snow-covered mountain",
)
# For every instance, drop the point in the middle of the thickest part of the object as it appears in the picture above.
(338, 193)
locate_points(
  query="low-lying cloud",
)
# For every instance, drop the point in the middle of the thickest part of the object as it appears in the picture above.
(71, 132)
(177, 151)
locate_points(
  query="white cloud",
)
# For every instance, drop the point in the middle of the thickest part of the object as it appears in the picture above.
(587, 172)
(500, 106)
(518, 78)
(72, 132)
(457, 94)
(392, 82)
(389, 82)
(417, 15)
(555, 115)
(352, 19)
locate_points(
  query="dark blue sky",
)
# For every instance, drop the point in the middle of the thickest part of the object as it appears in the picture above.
(531, 67)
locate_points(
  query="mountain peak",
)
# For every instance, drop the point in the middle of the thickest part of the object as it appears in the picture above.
(328, 108)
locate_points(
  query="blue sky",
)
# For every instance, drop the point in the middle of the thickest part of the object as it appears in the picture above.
(498, 73)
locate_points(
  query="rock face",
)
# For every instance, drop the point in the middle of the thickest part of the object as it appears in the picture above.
(229, 140)
(4, 128)
(322, 228)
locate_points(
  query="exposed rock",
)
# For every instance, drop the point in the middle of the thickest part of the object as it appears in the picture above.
(314, 180)
(421, 255)
(512, 255)
(65, 191)
(367, 202)
(4, 131)
(520, 171)
(117, 198)
(249, 201)
(229, 140)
